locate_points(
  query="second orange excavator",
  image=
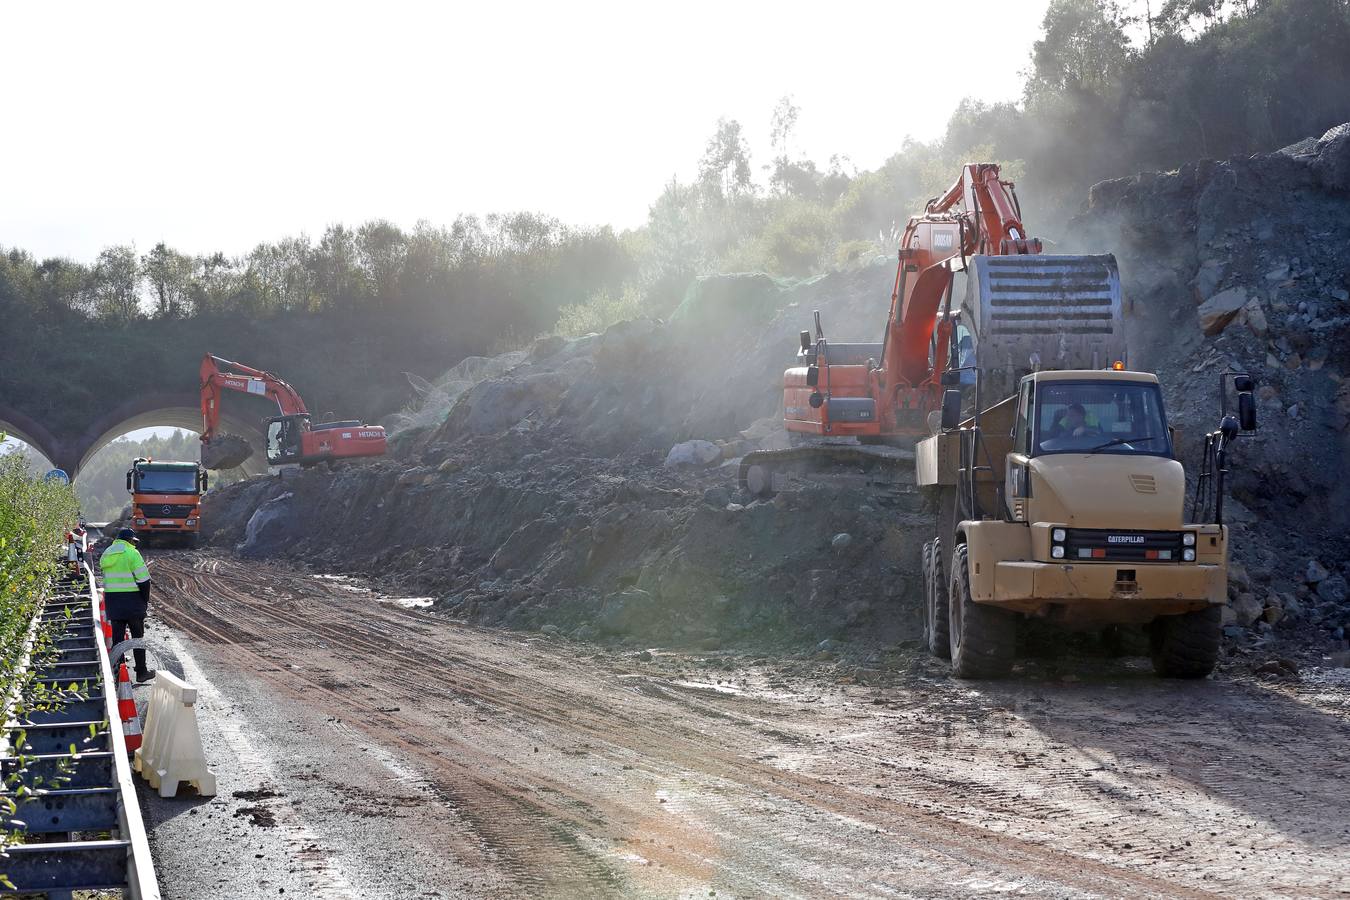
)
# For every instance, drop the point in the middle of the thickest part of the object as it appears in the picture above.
(292, 438)
(857, 408)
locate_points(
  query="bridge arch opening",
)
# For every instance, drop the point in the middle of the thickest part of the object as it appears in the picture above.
(23, 434)
(39, 462)
(101, 485)
(184, 419)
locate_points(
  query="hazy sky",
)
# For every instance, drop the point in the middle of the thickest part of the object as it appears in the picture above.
(216, 126)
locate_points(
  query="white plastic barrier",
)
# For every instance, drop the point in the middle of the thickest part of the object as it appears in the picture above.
(171, 749)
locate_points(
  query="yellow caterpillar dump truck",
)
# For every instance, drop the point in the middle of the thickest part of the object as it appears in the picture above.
(1065, 502)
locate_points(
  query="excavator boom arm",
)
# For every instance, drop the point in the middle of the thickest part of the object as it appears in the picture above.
(978, 214)
(219, 375)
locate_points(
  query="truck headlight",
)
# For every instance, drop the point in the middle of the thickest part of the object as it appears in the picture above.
(191, 522)
(1058, 535)
(1057, 551)
(140, 521)
(1188, 554)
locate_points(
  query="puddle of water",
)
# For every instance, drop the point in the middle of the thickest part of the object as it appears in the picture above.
(708, 686)
(344, 582)
(408, 602)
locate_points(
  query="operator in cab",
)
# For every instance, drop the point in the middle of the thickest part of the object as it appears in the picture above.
(1074, 422)
(126, 594)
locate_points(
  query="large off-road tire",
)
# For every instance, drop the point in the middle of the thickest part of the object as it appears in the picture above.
(1187, 646)
(935, 615)
(983, 639)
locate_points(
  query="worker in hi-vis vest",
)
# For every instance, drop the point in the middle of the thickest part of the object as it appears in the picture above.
(126, 593)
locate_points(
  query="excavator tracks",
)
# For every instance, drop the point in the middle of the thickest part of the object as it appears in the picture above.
(883, 471)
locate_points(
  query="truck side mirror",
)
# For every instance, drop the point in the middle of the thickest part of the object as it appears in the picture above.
(951, 409)
(128, 481)
(1247, 411)
(206, 481)
(812, 376)
(806, 340)
(951, 377)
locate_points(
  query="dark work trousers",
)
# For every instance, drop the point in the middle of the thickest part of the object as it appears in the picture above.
(137, 628)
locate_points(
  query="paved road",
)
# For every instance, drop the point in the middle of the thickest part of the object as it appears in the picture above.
(382, 752)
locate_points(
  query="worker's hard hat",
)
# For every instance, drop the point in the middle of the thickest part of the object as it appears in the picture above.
(126, 534)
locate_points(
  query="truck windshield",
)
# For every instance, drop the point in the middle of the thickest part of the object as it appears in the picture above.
(167, 481)
(1100, 417)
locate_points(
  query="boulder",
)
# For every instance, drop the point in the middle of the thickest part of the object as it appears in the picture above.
(1333, 589)
(1246, 608)
(1216, 312)
(694, 453)
(631, 611)
(1315, 572)
(1274, 609)
(271, 526)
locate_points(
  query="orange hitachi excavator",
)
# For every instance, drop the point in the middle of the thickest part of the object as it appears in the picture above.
(291, 437)
(857, 408)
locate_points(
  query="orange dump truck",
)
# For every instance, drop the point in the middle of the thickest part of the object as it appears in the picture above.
(166, 500)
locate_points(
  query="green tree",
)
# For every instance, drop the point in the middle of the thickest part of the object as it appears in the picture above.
(169, 274)
(1084, 49)
(724, 170)
(116, 284)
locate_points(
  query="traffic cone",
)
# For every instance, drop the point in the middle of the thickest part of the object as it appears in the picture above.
(107, 632)
(126, 708)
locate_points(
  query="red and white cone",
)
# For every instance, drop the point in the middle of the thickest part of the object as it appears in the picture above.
(126, 708)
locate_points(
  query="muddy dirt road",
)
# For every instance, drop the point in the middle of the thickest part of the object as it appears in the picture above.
(394, 754)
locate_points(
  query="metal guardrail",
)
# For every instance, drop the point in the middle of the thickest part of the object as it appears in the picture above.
(86, 834)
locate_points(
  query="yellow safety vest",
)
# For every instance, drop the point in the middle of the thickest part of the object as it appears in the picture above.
(123, 568)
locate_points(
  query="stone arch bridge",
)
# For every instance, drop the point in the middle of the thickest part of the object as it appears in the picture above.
(70, 389)
(71, 448)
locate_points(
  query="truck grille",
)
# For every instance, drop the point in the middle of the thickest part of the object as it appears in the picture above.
(1132, 546)
(166, 510)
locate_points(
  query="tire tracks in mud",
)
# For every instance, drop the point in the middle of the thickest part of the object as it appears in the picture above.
(467, 702)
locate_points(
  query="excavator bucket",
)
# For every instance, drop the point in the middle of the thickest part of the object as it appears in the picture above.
(225, 451)
(1045, 312)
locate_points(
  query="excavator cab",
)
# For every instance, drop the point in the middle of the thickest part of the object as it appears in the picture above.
(284, 445)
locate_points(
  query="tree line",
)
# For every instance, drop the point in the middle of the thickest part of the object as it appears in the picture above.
(507, 270)
(1111, 88)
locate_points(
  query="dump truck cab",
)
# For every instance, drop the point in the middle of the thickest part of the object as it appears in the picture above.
(1065, 502)
(166, 500)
